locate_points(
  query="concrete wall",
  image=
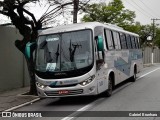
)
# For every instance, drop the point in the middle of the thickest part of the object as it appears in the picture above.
(12, 68)
(147, 55)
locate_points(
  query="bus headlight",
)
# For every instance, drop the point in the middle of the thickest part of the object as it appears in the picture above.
(87, 81)
(40, 85)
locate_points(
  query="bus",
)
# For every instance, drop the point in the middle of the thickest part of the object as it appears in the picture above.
(85, 59)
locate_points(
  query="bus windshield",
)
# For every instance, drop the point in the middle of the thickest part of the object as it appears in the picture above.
(64, 51)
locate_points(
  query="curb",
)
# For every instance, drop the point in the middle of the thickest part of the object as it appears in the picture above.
(24, 94)
(21, 105)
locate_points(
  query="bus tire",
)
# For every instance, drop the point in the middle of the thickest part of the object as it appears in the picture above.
(133, 78)
(108, 92)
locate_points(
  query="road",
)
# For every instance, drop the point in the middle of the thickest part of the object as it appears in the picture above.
(142, 95)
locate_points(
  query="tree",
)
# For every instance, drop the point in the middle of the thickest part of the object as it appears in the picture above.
(157, 38)
(28, 26)
(113, 13)
(135, 27)
(145, 32)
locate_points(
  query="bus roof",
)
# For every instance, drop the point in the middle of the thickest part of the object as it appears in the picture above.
(81, 26)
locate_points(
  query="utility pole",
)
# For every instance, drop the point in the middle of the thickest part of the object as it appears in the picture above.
(153, 36)
(75, 10)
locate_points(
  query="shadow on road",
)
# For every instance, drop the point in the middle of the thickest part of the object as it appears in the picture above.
(122, 84)
(83, 100)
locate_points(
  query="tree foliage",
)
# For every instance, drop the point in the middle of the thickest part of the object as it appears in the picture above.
(145, 32)
(157, 37)
(114, 13)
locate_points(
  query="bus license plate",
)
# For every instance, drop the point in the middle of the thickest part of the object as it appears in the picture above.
(63, 92)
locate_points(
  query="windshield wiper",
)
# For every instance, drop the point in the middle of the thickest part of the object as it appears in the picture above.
(43, 44)
(72, 52)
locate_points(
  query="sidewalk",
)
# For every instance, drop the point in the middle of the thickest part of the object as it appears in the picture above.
(14, 98)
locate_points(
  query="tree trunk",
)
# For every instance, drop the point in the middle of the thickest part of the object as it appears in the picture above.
(31, 70)
(30, 64)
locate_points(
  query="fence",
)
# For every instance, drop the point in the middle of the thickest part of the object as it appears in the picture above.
(147, 55)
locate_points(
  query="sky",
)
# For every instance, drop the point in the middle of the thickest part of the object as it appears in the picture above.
(145, 10)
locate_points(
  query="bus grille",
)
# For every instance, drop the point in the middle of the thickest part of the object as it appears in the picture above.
(60, 86)
(71, 92)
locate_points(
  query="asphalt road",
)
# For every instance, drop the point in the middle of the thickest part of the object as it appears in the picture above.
(142, 95)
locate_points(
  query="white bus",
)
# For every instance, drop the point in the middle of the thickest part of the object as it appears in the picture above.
(85, 59)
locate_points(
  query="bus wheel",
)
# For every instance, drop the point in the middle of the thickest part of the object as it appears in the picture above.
(108, 93)
(133, 78)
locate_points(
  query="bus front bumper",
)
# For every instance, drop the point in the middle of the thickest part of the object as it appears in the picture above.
(78, 90)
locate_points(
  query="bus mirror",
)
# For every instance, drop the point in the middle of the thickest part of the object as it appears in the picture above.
(30, 47)
(100, 45)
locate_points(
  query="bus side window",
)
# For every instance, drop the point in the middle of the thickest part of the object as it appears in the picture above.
(113, 39)
(123, 41)
(128, 39)
(133, 42)
(116, 40)
(136, 43)
(109, 39)
(104, 41)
